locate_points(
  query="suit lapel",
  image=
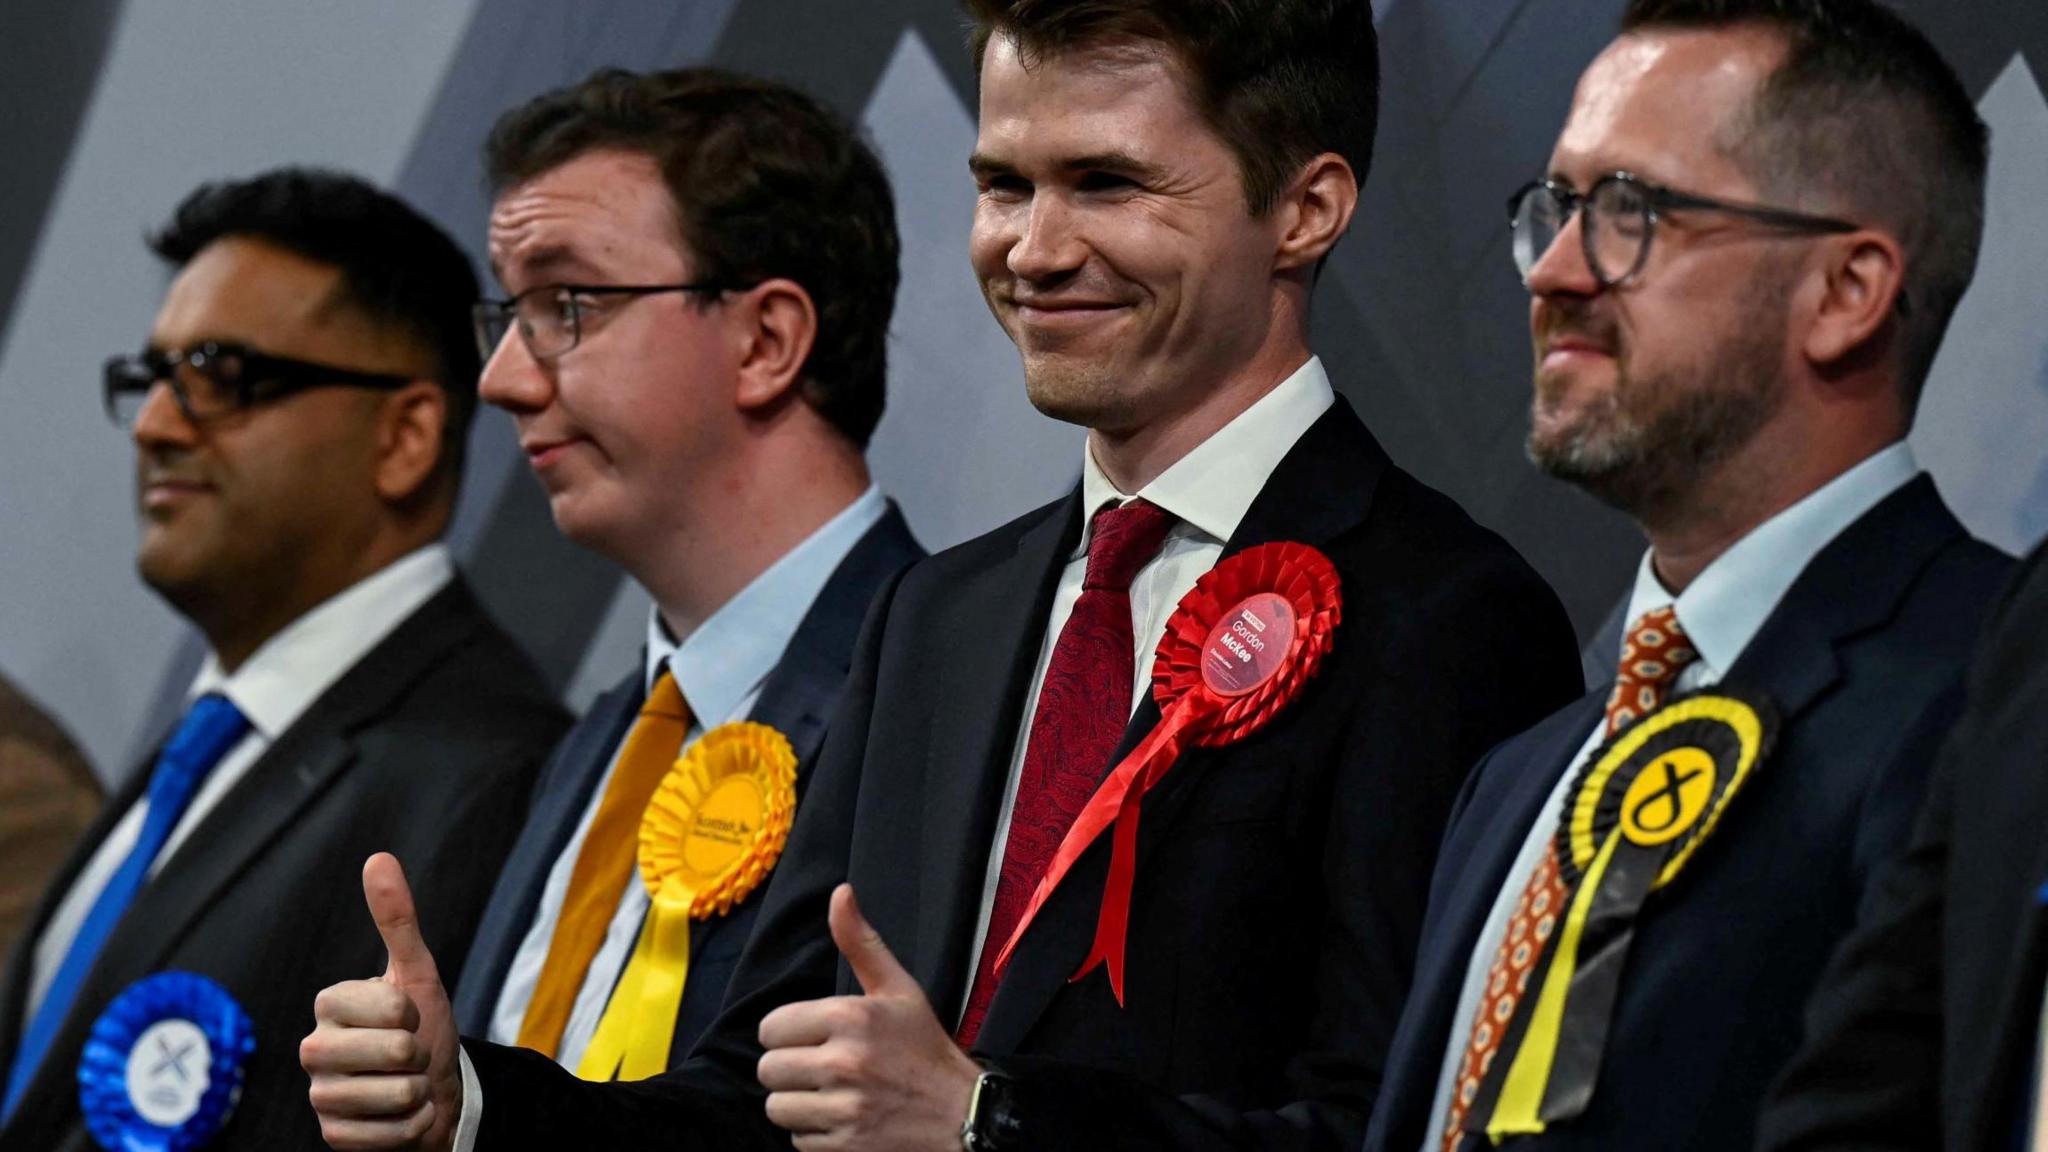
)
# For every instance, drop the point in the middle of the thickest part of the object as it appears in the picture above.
(572, 775)
(1852, 586)
(1481, 847)
(1322, 488)
(800, 693)
(298, 767)
(21, 963)
(998, 616)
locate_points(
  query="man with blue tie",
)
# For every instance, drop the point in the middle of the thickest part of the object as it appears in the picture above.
(701, 269)
(1757, 221)
(298, 415)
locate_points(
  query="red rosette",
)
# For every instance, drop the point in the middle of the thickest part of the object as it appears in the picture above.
(1184, 667)
(1237, 651)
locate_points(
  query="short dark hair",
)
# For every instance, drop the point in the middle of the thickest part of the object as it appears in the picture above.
(767, 183)
(1281, 81)
(1865, 118)
(398, 268)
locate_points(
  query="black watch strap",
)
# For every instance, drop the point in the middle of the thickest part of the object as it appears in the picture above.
(993, 1124)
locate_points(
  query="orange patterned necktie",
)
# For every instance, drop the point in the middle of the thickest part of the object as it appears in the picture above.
(605, 864)
(1651, 660)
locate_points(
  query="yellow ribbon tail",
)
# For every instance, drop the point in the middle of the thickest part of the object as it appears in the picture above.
(632, 1039)
(1516, 1113)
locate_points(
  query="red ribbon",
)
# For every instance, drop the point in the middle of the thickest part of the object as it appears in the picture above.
(1216, 684)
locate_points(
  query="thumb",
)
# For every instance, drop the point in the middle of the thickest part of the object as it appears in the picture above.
(872, 962)
(390, 901)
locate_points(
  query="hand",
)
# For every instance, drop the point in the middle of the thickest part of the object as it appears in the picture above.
(874, 1072)
(382, 1055)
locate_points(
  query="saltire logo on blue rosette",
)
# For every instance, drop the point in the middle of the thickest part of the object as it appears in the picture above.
(164, 1063)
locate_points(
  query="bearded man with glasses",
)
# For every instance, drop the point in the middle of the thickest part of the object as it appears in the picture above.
(1758, 219)
(298, 414)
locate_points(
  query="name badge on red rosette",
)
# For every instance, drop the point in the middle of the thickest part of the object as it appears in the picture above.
(1237, 651)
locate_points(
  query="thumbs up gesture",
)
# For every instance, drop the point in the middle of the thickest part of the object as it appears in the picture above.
(875, 1071)
(382, 1056)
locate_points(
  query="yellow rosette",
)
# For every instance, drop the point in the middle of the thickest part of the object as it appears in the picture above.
(1638, 812)
(711, 834)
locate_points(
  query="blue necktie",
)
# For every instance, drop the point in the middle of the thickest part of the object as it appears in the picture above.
(211, 727)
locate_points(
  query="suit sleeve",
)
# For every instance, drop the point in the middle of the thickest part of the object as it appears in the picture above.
(1431, 701)
(712, 1099)
(1868, 1074)
(1864, 1079)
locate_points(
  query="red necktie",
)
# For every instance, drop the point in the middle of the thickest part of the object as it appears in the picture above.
(1651, 660)
(1083, 708)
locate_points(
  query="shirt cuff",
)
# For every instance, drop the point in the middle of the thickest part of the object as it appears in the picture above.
(472, 1114)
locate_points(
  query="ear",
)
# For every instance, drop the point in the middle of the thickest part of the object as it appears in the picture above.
(1866, 273)
(778, 325)
(1315, 210)
(410, 423)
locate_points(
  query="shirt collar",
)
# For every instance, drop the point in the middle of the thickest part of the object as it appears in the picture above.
(732, 652)
(1724, 607)
(1212, 486)
(283, 677)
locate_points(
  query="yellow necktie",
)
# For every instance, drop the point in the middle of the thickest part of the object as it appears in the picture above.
(606, 863)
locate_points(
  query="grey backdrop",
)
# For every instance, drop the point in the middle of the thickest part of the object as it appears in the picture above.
(119, 109)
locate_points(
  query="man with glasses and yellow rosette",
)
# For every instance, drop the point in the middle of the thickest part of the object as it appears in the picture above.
(696, 405)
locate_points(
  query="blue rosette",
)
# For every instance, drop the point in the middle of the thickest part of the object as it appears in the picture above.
(163, 1066)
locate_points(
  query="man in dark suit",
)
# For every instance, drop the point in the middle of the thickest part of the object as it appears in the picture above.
(1927, 1029)
(1151, 214)
(742, 499)
(1738, 377)
(298, 415)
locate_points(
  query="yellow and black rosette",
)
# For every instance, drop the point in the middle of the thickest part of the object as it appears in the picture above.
(711, 834)
(1637, 814)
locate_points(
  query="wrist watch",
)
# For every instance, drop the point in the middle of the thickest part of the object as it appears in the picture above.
(992, 1123)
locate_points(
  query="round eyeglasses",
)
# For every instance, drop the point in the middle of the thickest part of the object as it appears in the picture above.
(1620, 214)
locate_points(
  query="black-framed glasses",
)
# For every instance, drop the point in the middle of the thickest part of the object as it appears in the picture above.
(1621, 213)
(213, 379)
(550, 317)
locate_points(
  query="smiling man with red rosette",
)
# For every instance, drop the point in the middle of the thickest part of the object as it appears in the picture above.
(1104, 900)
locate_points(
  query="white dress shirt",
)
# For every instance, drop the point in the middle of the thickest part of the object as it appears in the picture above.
(1720, 611)
(273, 688)
(1207, 491)
(720, 668)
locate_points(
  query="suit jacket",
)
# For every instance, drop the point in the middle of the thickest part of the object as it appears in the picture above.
(427, 748)
(1280, 880)
(1864, 658)
(1923, 1033)
(796, 700)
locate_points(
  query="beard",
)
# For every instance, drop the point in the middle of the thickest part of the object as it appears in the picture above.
(1649, 443)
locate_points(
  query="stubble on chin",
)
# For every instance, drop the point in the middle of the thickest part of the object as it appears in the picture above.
(1074, 392)
(1648, 446)
(1599, 438)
